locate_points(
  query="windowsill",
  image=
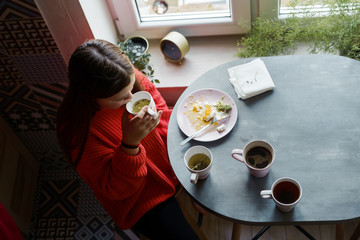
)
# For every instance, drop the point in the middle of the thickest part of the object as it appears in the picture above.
(205, 53)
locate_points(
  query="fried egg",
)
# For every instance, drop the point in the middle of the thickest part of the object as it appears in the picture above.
(209, 113)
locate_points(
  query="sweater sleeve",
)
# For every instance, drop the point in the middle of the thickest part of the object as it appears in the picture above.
(109, 170)
(123, 182)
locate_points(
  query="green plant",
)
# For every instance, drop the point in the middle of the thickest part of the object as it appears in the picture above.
(345, 23)
(139, 58)
(338, 32)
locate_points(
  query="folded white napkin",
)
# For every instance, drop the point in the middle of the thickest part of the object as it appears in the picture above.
(250, 79)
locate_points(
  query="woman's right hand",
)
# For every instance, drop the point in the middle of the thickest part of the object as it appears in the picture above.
(135, 129)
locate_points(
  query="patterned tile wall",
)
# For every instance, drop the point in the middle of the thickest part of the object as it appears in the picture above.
(33, 82)
(32, 79)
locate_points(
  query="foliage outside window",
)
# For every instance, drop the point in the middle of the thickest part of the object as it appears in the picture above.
(338, 32)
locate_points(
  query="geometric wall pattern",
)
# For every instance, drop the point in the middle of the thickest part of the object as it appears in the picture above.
(33, 75)
(20, 108)
(59, 199)
(18, 9)
(28, 120)
(43, 145)
(18, 98)
(33, 81)
(41, 68)
(33, 78)
(26, 37)
(56, 228)
(88, 204)
(58, 211)
(58, 174)
(95, 227)
(9, 74)
(49, 95)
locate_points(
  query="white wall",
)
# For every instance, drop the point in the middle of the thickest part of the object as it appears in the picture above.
(100, 20)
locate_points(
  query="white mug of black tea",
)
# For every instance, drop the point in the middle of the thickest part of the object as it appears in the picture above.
(258, 156)
(139, 100)
(286, 192)
(198, 160)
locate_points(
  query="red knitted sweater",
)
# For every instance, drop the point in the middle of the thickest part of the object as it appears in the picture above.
(128, 186)
(8, 228)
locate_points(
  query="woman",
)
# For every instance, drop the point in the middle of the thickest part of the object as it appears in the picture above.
(123, 159)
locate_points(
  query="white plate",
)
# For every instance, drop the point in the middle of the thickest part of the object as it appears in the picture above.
(209, 95)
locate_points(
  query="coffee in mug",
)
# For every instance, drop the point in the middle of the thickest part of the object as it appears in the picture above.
(286, 192)
(258, 156)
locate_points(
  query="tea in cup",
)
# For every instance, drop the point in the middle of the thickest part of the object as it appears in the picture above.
(139, 100)
(286, 192)
(198, 160)
(257, 155)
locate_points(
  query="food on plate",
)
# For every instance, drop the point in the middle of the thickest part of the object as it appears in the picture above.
(200, 112)
(209, 113)
(221, 128)
(221, 107)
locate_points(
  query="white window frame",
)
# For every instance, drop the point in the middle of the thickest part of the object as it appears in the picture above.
(128, 22)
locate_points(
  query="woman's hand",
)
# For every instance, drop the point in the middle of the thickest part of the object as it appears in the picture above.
(135, 129)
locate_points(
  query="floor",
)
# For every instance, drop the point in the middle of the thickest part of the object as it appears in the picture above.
(65, 207)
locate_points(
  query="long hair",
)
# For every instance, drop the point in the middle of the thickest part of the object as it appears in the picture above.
(97, 69)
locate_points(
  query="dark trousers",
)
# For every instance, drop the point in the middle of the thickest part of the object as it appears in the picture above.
(165, 221)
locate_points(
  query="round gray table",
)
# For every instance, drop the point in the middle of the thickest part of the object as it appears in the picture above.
(312, 119)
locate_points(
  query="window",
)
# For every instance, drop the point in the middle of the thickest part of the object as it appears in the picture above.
(155, 18)
(182, 9)
(314, 7)
(288, 3)
(300, 6)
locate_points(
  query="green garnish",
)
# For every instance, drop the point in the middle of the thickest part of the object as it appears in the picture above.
(220, 106)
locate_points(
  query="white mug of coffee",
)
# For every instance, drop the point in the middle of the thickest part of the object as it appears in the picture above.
(286, 192)
(139, 100)
(198, 160)
(258, 156)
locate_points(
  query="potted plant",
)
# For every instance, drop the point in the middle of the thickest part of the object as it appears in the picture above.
(136, 49)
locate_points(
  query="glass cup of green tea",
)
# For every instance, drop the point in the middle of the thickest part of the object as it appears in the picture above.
(141, 99)
(198, 160)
